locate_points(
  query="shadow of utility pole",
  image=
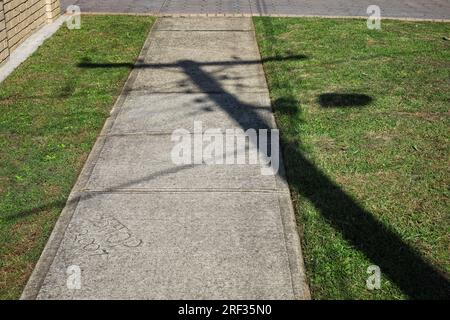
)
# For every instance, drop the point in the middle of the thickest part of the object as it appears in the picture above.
(381, 245)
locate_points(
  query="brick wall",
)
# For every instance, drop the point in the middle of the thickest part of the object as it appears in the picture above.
(20, 18)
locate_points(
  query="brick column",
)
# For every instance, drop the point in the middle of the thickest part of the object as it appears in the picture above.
(53, 9)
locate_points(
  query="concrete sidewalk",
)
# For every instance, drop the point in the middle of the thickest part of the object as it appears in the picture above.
(140, 227)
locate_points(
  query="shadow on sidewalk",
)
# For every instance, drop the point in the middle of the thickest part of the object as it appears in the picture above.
(400, 262)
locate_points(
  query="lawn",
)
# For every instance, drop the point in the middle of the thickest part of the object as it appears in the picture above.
(51, 113)
(364, 117)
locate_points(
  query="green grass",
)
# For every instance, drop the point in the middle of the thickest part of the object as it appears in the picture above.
(51, 113)
(364, 116)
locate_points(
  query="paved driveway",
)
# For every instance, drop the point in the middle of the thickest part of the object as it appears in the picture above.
(425, 9)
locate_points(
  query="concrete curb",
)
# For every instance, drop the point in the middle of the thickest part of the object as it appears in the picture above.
(291, 232)
(29, 46)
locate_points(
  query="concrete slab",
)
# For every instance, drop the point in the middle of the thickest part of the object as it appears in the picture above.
(143, 162)
(200, 46)
(164, 113)
(190, 77)
(201, 61)
(173, 246)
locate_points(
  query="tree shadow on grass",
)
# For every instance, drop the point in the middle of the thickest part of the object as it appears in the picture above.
(359, 227)
(343, 100)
